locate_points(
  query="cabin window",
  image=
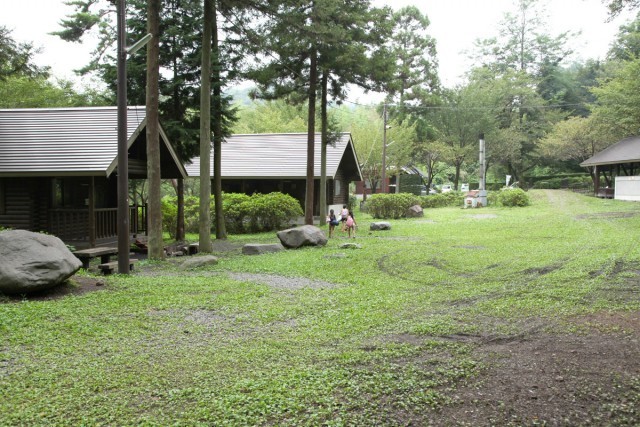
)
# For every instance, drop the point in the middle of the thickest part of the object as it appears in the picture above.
(3, 198)
(69, 193)
(337, 187)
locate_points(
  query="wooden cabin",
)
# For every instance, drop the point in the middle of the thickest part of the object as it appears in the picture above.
(616, 170)
(264, 163)
(58, 171)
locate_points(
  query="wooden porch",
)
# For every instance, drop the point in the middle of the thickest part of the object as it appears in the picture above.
(84, 228)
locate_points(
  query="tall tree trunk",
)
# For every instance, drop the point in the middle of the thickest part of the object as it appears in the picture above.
(154, 233)
(205, 131)
(323, 149)
(313, 82)
(221, 232)
(180, 236)
(180, 232)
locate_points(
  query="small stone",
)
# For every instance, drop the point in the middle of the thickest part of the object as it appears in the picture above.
(261, 248)
(375, 226)
(200, 261)
(350, 246)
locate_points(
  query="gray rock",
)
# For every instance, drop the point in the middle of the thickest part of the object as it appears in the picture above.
(32, 262)
(415, 211)
(261, 248)
(350, 246)
(375, 226)
(199, 261)
(306, 235)
(339, 255)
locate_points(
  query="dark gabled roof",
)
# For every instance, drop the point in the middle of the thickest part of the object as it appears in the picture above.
(625, 151)
(278, 156)
(67, 141)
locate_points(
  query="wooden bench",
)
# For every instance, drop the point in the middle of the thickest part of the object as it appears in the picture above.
(85, 255)
(108, 267)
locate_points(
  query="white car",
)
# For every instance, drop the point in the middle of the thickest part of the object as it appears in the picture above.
(445, 188)
(464, 187)
(423, 191)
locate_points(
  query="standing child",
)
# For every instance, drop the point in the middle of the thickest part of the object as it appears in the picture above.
(332, 221)
(351, 224)
(344, 213)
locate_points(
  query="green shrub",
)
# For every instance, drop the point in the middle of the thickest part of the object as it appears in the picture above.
(513, 197)
(353, 202)
(441, 200)
(242, 213)
(169, 208)
(271, 211)
(192, 214)
(391, 206)
(236, 210)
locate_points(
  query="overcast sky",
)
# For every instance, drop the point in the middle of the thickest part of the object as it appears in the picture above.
(455, 24)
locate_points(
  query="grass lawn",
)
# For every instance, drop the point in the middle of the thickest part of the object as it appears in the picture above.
(506, 316)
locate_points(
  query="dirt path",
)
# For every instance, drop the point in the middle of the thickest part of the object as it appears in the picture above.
(588, 378)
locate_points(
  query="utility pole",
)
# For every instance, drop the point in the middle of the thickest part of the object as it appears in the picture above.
(384, 149)
(123, 150)
(123, 161)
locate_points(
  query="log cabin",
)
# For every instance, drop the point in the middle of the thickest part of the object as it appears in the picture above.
(58, 171)
(264, 163)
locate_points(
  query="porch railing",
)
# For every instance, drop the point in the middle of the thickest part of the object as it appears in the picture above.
(74, 224)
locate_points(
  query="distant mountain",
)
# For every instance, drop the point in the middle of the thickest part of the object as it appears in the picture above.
(240, 94)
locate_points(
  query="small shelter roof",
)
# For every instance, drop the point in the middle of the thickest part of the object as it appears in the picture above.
(69, 141)
(625, 151)
(279, 156)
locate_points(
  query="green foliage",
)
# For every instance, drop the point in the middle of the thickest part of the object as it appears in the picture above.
(618, 104)
(243, 213)
(39, 92)
(16, 59)
(441, 200)
(513, 197)
(169, 210)
(353, 202)
(191, 214)
(560, 181)
(235, 211)
(275, 116)
(271, 211)
(391, 206)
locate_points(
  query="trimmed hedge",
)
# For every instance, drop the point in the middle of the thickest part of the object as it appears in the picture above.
(564, 182)
(513, 197)
(391, 206)
(243, 213)
(441, 200)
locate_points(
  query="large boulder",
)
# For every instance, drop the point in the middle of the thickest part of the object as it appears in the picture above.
(31, 262)
(261, 248)
(415, 211)
(306, 235)
(382, 225)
